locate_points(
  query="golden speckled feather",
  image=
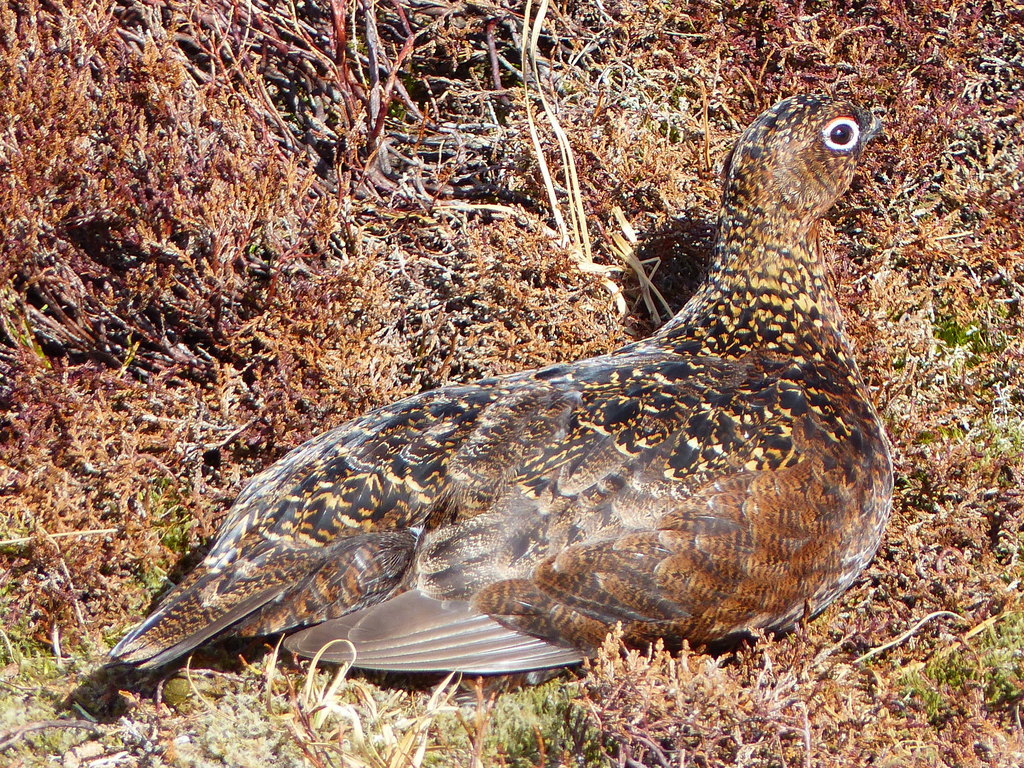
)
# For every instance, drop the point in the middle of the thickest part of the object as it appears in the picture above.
(727, 474)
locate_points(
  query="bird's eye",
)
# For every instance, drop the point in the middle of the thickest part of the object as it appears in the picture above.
(841, 134)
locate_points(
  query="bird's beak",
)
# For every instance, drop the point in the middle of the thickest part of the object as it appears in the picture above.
(873, 129)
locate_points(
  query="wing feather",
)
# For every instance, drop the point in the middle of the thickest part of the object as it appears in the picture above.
(416, 633)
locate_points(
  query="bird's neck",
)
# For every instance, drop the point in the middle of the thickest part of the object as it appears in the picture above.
(766, 291)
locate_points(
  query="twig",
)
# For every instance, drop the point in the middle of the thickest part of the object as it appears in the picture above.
(705, 103)
(339, 34)
(55, 643)
(910, 632)
(401, 16)
(10, 737)
(806, 734)
(492, 51)
(339, 38)
(389, 90)
(579, 236)
(989, 622)
(373, 52)
(65, 534)
(577, 216)
(622, 246)
(529, 66)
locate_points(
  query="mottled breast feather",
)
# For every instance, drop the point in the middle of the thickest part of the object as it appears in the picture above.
(727, 474)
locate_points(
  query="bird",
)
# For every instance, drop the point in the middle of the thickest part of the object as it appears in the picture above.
(725, 476)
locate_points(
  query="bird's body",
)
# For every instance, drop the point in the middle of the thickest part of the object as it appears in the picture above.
(725, 475)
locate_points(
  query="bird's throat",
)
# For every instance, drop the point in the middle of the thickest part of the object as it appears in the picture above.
(766, 290)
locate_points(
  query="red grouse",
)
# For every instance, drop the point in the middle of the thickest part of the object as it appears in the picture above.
(727, 474)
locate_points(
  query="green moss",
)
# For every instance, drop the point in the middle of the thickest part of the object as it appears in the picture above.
(16, 641)
(992, 662)
(15, 326)
(952, 432)
(173, 523)
(234, 730)
(171, 520)
(35, 694)
(976, 341)
(1006, 439)
(543, 726)
(1003, 661)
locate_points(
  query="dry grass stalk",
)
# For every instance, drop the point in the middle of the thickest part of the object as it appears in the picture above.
(575, 235)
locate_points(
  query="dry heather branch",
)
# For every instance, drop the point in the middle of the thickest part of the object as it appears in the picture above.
(906, 635)
(266, 136)
(325, 83)
(12, 735)
(63, 534)
(622, 246)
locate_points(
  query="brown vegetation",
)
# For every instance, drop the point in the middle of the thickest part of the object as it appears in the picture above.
(229, 226)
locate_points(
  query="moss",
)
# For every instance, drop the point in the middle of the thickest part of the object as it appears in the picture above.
(1006, 438)
(34, 694)
(16, 636)
(991, 664)
(235, 730)
(544, 725)
(15, 327)
(972, 338)
(170, 518)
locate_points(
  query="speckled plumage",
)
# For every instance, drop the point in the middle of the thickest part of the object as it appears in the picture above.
(728, 473)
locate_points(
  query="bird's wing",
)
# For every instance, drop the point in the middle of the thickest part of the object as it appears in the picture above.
(333, 525)
(271, 583)
(604, 472)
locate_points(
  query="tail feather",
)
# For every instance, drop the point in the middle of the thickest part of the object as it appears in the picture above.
(272, 589)
(207, 603)
(181, 626)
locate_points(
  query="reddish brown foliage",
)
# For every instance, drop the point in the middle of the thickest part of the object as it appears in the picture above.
(223, 236)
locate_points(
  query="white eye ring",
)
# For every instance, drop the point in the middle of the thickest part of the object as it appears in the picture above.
(841, 134)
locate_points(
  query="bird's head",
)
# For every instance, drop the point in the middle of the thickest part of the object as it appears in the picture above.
(796, 159)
